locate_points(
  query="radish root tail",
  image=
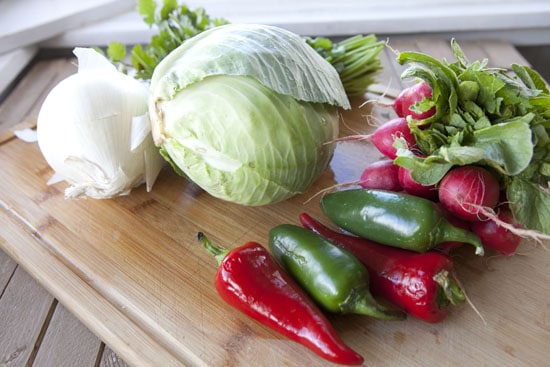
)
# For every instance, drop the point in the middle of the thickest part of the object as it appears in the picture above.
(384, 91)
(521, 232)
(329, 189)
(469, 300)
(349, 137)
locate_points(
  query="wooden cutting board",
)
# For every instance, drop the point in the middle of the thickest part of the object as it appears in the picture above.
(131, 269)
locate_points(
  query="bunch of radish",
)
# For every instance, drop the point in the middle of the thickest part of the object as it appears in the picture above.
(470, 196)
(474, 139)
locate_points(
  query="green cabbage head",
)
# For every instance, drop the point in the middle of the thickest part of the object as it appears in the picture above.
(244, 112)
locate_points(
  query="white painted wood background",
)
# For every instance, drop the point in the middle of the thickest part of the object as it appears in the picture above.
(529, 18)
(28, 25)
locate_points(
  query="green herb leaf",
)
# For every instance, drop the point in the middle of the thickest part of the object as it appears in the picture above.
(174, 24)
(116, 51)
(425, 170)
(146, 8)
(506, 147)
(530, 204)
(441, 78)
(167, 7)
(530, 78)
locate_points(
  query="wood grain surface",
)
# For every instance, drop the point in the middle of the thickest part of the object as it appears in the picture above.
(132, 271)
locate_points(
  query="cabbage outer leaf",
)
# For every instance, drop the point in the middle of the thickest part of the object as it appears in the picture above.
(279, 59)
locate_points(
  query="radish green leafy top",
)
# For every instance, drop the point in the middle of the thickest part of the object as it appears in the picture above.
(484, 116)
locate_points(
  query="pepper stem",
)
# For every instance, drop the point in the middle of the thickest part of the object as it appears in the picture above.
(451, 233)
(450, 287)
(218, 252)
(362, 302)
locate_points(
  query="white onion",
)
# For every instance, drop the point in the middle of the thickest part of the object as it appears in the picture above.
(93, 130)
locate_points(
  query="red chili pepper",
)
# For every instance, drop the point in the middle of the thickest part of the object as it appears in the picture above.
(419, 283)
(250, 280)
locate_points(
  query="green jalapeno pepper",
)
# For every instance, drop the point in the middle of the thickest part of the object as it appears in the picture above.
(394, 219)
(332, 276)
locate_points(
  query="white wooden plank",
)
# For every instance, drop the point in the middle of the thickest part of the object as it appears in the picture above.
(27, 22)
(25, 100)
(338, 18)
(24, 307)
(67, 342)
(12, 63)
(7, 267)
(110, 359)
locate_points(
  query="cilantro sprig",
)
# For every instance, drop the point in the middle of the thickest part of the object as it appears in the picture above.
(356, 59)
(174, 23)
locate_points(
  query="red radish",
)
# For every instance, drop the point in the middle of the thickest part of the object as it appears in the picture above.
(497, 237)
(384, 136)
(411, 95)
(469, 192)
(414, 188)
(382, 175)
